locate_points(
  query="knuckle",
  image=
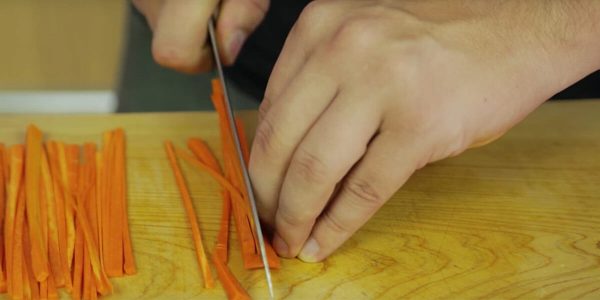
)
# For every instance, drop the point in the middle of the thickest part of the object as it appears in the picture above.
(356, 34)
(293, 217)
(266, 139)
(364, 193)
(335, 225)
(172, 56)
(313, 13)
(308, 167)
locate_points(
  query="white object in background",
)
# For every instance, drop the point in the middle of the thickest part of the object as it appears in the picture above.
(23, 102)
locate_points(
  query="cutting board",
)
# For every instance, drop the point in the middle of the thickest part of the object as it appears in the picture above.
(517, 218)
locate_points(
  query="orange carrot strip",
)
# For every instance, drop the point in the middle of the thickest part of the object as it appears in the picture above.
(88, 278)
(203, 153)
(85, 222)
(61, 211)
(191, 214)
(54, 253)
(30, 286)
(232, 287)
(78, 264)
(33, 154)
(52, 291)
(2, 212)
(121, 175)
(17, 285)
(243, 141)
(113, 230)
(99, 200)
(43, 289)
(17, 153)
(68, 195)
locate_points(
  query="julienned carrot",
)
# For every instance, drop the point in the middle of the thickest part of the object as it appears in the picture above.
(99, 200)
(52, 291)
(17, 287)
(39, 258)
(54, 253)
(89, 156)
(2, 209)
(68, 201)
(244, 222)
(121, 174)
(232, 287)
(203, 153)
(191, 214)
(16, 174)
(113, 234)
(239, 125)
(61, 211)
(84, 221)
(30, 286)
(218, 177)
(78, 264)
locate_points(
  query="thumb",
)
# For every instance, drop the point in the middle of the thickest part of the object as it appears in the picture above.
(237, 20)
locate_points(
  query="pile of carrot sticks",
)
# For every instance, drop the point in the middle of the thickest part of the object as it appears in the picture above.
(63, 217)
(235, 201)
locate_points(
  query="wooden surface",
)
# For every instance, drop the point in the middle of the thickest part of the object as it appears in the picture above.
(60, 44)
(519, 218)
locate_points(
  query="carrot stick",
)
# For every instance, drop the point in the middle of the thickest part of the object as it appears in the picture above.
(78, 264)
(2, 212)
(52, 291)
(243, 141)
(15, 181)
(61, 211)
(32, 183)
(54, 253)
(17, 286)
(203, 153)
(191, 214)
(30, 285)
(84, 222)
(43, 289)
(232, 287)
(113, 230)
(87, 274)
(121, 175)
(68, 201)
(99, 200)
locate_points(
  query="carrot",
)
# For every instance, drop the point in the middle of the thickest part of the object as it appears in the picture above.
(54, 251)
(203, 153)
(2, 212)
(78, 264)
(61, 211)
(52, 292)
(32, 183)
(30, 286)
(232, 287)
(85, 222)
(99, 200)
(17, 268)
(120, 164)
(87, 274)
(113, 230)
(243, 141)
(191, 214)
(14, 187)
(68, 201)
(43, 288)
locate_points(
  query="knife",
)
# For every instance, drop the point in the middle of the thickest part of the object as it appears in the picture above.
(238, 147)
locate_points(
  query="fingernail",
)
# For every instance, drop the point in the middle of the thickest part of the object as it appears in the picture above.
(309, 251)
(235, 45)
(280, 246)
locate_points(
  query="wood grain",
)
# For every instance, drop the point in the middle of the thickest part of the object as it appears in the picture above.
(519, 218)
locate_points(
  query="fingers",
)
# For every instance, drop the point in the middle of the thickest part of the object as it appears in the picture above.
(385, 167)
(316, 23)
(237, 19)
(180, 35)
(281, 131)
(333, 145)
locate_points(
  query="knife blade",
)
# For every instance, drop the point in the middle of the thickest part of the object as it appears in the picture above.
(230, 115)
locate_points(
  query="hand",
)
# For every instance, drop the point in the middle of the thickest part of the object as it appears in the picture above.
(366, 92)
(180, 30)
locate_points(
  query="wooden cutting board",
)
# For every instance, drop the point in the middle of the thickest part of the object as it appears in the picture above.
(517, 218)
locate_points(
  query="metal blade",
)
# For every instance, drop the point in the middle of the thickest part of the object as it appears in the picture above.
(238, 147)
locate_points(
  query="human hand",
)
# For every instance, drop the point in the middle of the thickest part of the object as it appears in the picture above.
(180, 30)
(366, 92)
